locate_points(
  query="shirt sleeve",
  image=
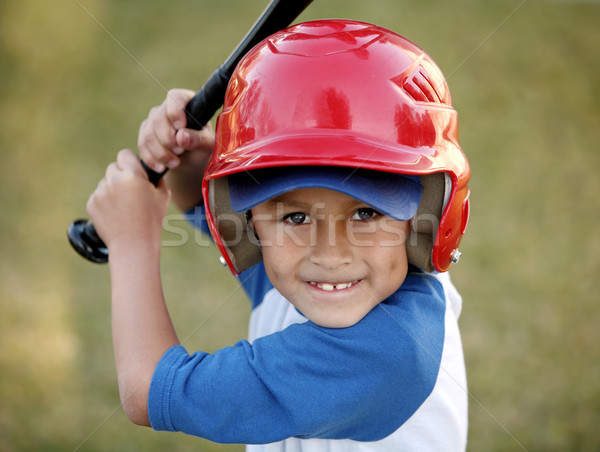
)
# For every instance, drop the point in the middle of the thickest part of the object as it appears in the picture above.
(360, 382)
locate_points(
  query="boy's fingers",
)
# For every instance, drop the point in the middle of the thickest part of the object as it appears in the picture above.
(157, 141)
(92, 202)
(158, 126)
(175, 104)
(111, 170)
(147, 142)
(153, 152)
(128, 161)
(195, 140)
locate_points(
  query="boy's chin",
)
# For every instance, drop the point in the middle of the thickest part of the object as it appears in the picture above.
(334, 321)
(337, 325)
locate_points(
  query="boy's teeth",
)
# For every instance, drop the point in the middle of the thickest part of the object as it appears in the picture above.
(330, 287)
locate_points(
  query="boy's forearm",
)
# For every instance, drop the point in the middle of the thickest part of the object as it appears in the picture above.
(142, 328)
(185, 182)
(186, 188)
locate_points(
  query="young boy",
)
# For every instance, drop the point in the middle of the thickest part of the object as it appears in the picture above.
(337, 193)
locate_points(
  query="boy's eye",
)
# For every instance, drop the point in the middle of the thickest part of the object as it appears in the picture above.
(365, 214)
(297, 218)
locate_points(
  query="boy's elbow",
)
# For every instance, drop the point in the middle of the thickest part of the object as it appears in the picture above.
(134, 400)
(137, 414)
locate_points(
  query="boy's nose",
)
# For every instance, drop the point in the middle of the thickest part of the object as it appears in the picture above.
(331, 248)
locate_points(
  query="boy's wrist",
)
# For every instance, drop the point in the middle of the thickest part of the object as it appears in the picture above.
(138, 248)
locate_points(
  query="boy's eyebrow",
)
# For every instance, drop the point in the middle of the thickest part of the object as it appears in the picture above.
(293, 201)
(283, 199)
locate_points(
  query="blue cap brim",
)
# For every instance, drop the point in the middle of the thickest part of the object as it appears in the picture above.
(395, 195)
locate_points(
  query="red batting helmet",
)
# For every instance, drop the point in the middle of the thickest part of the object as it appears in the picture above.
(342, 93)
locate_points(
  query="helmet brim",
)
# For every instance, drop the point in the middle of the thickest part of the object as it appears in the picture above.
(394, 195)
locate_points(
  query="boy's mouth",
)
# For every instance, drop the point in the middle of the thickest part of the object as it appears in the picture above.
(329, 287)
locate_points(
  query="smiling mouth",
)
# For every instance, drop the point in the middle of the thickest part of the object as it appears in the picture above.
(328, 287)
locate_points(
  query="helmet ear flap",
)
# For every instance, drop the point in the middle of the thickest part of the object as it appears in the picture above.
(426, 222)
(234, 235)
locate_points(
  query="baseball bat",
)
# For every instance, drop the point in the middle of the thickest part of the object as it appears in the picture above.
(199, 110)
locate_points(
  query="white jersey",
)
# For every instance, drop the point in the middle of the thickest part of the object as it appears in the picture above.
(440, 424)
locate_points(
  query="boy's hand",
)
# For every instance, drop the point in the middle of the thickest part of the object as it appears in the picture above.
(162, 140)
(163, 137)
(126, 208)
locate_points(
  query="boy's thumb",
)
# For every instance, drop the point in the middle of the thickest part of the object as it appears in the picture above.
(176, 102)
(194, 139)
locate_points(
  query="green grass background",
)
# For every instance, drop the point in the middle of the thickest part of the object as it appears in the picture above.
(78, 76)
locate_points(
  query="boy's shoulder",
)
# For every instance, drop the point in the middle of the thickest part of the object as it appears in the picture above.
(421, 282)
(434, 286)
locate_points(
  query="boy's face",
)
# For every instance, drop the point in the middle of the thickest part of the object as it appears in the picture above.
(332, 256)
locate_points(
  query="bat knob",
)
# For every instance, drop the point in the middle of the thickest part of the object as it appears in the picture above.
(85, 240)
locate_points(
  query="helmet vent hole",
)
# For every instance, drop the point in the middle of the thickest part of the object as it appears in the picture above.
(420, 87)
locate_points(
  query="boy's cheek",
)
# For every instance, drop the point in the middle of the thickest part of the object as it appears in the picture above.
(385, 234)
(396, 232)
(394, 240)
(361, 239)
(286, 237)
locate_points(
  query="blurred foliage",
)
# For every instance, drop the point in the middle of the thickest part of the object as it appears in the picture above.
(76, 79)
